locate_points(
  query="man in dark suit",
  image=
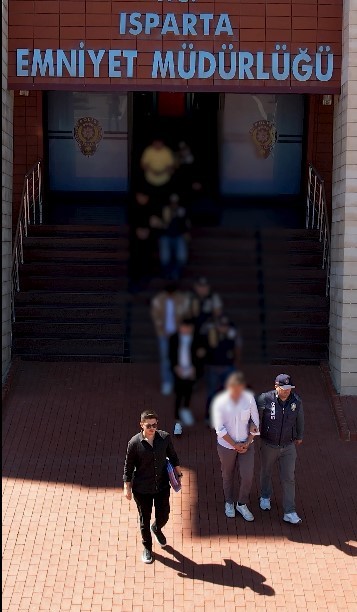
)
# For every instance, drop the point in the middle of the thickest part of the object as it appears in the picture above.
(185, 362)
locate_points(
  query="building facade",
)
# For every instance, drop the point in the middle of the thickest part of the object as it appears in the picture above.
(271, 81)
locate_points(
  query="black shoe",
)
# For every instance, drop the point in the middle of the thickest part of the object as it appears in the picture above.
(146, 556)
(159, 536)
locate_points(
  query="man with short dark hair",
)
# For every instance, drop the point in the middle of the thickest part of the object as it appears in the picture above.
(223, 346)
(234, 416)
(205, 304)
(282, 429)
(146, 478)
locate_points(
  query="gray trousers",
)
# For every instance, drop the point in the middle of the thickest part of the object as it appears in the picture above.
(286, 458)
(229, 459)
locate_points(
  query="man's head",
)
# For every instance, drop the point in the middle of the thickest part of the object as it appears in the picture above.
(186, 327)
(283, 386)
(148, 423)
(174, 200)
(235, 384)
(202, 287)
(158, 143)
(142, 198)
(171, 289)
(223, 324)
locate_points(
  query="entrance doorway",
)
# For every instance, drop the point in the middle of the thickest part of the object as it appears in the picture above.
(176, 118)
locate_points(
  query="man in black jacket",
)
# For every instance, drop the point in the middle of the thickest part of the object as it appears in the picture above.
(282, 429)
(185, 360)
(146, 478)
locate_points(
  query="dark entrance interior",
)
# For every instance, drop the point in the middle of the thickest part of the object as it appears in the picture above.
(179, 117)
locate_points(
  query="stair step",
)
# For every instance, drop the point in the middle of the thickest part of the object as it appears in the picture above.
(53, 313)
(75, 243)
(97, 231)
(104, 329)
(78, 269)
(66, 346)
(72, 299)
(38, 256)
(47, 283)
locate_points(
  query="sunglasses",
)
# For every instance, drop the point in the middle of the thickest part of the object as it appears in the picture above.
(150, 425)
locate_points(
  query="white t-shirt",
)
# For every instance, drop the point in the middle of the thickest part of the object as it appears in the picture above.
(184, 356)
(170, 318)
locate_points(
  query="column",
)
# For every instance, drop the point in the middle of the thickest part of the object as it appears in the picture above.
(343, 302)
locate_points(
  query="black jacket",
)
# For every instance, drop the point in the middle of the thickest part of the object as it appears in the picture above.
(281, 422)
(196, 346)
(145, 465)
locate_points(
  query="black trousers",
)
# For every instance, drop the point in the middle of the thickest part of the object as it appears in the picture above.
(183, 394)
(145, 502)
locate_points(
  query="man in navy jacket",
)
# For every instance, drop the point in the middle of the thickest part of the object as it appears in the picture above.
(282, 429)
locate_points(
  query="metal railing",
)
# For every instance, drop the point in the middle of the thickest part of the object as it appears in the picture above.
(30, 214)
(317, 217)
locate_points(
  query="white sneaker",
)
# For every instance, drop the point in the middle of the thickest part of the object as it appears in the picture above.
(264, 503)
(245, 512)
(292, 517)
(178, 429)
(229, 510)
(166, 389)
(187, 417)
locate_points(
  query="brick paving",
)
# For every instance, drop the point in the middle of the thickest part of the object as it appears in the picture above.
(71, 540)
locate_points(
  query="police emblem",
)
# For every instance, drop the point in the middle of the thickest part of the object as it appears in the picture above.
(264, 136)
(293, 407)
(88, 134)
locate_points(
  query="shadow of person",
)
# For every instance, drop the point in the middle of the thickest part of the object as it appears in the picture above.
(230, 574)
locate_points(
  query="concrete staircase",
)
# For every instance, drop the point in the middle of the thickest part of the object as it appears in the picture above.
(272, 286)
(73, 298)
(74, 302)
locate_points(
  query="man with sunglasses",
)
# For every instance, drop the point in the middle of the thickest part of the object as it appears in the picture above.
(146, 478)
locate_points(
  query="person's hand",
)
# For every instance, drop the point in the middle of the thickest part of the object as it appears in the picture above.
(142, 233)
(241, 448)
(127, 492)
(298, 442)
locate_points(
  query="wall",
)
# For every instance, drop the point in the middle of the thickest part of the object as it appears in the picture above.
(28, 140)
(7, 148)
(258, 25)
(343, 322)
(320, 141)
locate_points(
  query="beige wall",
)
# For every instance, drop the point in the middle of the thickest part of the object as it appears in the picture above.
(343, 318)
(7, 125)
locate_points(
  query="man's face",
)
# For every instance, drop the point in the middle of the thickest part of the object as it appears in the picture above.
(282, 393)
(149, 427)
(186, 330)
(142, 198)
(202, 290)
(236, 391)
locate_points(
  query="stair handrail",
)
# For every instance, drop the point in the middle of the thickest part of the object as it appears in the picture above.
(30, 214)
(317, 217)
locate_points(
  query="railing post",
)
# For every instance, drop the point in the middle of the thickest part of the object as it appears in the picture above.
(308, 199)
(40, 190)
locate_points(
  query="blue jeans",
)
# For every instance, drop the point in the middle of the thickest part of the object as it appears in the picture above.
(165, 366)
(173, 255)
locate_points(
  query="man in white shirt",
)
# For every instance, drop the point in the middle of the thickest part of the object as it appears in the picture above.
(236, 420)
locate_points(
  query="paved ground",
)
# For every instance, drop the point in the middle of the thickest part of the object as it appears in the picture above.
(71, 540)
